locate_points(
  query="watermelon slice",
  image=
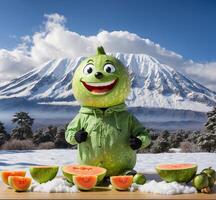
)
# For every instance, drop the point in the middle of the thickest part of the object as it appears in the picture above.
(85, 182)
(6, 174)
(43, 174)
(19, 183)
(181, 172)
(121, 182)
(78, 170)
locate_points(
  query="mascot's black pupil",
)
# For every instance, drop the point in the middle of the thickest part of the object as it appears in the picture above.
(108, 69)
(89, 70)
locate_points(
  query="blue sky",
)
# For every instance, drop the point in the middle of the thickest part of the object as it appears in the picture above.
(186, 27)
(180, 34)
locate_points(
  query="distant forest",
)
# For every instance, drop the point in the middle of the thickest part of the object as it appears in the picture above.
(22, 137)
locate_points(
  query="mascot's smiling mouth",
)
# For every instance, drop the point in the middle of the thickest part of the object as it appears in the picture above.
(100, 88)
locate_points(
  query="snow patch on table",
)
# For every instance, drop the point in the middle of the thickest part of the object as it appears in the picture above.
(55, 186)
(163, 188)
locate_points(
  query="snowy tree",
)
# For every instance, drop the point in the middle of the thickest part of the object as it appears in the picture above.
(45, 135)
(207, 142)
(60, 141)
(160, 145)
(4, 136)
(2, 128)
(24, 122)
(211, 123)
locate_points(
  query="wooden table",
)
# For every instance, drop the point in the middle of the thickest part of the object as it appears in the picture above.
(99, 193)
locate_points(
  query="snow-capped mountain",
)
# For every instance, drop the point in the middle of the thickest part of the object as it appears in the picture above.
(153, 85)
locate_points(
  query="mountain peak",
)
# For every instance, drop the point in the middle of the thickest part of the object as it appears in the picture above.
(153, 84)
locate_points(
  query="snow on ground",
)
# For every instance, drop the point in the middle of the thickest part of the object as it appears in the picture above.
(146, 163)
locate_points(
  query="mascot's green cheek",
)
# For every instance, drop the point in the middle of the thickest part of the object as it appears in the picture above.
(110, 88)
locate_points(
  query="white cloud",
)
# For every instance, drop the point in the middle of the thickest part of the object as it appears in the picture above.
(54, 40)
(26, 39)
(54, 18)
(13, 63)
(203, 72)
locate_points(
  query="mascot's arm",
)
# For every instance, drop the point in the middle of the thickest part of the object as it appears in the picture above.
(74, 126)
(137, 130)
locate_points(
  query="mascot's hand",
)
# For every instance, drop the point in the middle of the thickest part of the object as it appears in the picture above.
(135, 143)
(81, 136)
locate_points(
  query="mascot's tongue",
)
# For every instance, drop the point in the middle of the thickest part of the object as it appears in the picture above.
(99, 89)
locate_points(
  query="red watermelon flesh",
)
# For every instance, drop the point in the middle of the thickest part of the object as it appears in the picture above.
(121, 182)
(175, 166)
(19, 183)
(79, 170)
(6, 174)
(85, 182)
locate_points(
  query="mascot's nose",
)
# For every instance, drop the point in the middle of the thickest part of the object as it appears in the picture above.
(98, 75)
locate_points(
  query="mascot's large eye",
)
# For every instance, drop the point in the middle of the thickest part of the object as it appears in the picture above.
(88, 69)
(109, 68)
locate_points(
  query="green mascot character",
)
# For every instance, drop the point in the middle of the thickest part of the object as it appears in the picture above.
(106, 133)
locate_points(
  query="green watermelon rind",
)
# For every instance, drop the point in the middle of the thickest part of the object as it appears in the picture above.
(181, 175)
(69, 176)
(43, 174)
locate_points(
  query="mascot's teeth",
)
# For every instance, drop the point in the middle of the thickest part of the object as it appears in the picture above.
(100, 88)
(100, 84)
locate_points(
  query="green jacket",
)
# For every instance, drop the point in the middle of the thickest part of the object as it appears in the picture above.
(107, 144)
